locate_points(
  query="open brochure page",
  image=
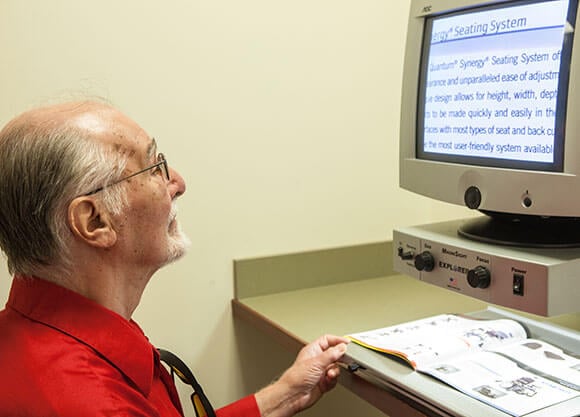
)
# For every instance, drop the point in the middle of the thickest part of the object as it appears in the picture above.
(425, 341)
(546, 360)
(499, 381)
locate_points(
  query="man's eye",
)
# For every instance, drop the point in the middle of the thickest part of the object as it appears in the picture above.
(156, 170)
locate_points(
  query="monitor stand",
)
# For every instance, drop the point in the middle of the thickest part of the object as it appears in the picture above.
(525, 231)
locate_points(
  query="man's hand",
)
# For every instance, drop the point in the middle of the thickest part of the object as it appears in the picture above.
(314, 372)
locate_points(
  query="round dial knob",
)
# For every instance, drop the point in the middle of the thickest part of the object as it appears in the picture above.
(479, 277)
(424, 261)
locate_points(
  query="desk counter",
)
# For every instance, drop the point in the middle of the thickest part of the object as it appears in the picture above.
(296, 298)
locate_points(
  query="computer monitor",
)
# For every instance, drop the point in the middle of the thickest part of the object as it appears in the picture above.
(490, 115)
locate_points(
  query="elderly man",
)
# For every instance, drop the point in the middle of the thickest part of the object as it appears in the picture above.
(87, 216)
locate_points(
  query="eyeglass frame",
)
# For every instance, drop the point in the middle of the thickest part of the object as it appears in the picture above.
(161, 162)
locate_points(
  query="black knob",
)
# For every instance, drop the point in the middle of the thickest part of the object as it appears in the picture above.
(479, 277)
(472, 197)
(424, 261)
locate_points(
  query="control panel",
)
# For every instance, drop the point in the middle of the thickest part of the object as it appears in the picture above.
(539, 281)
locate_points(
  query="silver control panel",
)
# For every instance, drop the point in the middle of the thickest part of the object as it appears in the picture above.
(539, 281)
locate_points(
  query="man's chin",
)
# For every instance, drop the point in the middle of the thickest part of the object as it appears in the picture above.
(177, 246)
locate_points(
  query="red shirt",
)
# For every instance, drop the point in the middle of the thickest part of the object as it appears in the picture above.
(63, 355)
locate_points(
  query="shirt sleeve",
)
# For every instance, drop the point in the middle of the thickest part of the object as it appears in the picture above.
(246, 407)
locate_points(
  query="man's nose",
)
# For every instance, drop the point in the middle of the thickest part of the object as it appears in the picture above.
(176, 184)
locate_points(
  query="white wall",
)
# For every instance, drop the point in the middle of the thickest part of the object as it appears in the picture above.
(281, 115)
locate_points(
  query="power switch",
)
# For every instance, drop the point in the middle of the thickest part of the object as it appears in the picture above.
(518, 284)
(405, 255)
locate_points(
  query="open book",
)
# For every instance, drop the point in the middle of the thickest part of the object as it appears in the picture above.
(493, 361)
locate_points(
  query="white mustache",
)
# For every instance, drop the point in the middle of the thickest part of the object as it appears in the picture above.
(172, 213)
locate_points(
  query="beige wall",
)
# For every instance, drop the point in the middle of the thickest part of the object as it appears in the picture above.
(281, 115)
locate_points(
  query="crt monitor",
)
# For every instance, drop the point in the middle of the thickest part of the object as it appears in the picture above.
(490, 115)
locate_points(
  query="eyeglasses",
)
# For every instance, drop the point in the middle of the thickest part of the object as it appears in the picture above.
(201, 404)
(160, 165)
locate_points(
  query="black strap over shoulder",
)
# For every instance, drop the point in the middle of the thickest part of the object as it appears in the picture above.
(201, 403)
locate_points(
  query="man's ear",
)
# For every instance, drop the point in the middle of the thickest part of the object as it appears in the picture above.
(89, 222)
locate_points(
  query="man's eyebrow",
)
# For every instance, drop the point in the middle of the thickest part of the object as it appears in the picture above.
(152, 149)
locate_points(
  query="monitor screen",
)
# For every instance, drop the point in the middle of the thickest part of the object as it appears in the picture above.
(489, 107)
(489, 86)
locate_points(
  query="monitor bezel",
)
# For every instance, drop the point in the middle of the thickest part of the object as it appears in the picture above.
(502, 189)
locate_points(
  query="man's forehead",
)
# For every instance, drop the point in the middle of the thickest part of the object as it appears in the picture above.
(142, 147)
(116, 130)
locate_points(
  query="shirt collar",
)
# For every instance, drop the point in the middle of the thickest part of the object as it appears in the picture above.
(118, 340)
